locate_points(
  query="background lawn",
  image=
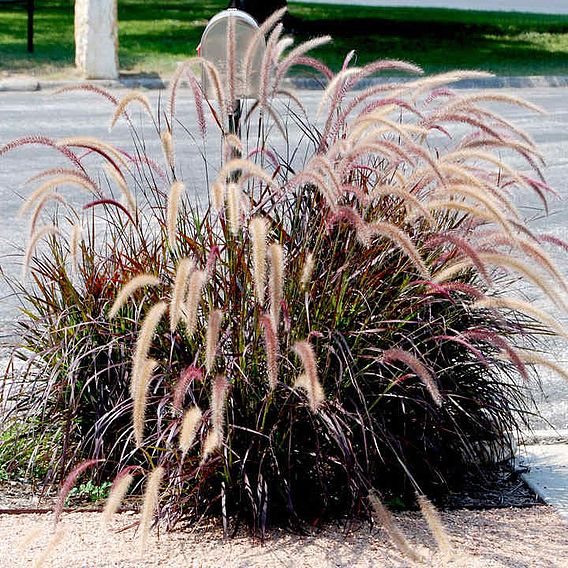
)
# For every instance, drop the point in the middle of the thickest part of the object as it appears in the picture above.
(154, 34)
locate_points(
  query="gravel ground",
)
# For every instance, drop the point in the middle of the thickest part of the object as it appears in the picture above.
(511, 538)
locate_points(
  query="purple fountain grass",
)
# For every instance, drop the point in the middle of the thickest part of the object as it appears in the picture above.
(212, 339)
(185, 380)
(195, 286)
(309, 380)
(189, 427)
(176, 191)
(134, 284)
(387, 521)
(272, 349)
(67, 485)
(258, 231)
(118, 492)
(276, 281)
(151, 502)
(141, 377)
(425, 375)
(132, 96)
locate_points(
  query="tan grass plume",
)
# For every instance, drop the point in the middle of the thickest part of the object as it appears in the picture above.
(212, 341)
(276, 281)
(197, 281)
(151, 501)
(181, 281)
(140, 385)
(259, 231)
(144, 341)
(435, 525)
(309, 380)
(189, 427)
(217, 195)
(140, 281)
(174, 197)
(116, 496)
(307, 271)
(234, 207)
(132, 96)
(168, 148)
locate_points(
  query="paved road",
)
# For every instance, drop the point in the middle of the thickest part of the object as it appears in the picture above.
(536, 6)
(24, 114)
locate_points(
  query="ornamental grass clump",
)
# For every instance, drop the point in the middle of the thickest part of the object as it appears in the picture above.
(333, 316)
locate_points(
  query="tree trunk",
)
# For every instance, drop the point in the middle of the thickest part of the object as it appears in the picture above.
(259, 9)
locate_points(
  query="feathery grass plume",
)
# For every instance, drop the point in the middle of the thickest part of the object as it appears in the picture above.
(34, 240)
(53, 543)
(232, 145)
(129, 198)
(53, 183)
(309, 380)
(194, 289)
(67, 485)
(509, 263)
(266, 65)
(231, 61)
(107, 151)
(307, 270)
(398, 237)
(212, 443)
(43, 201)
(418, 368)
(259, 231)
(217, 195)
(466, 101)
(257, 39)
(174, 196)
(234, 195)
(117, 493)
(218, 400)
(151, 501)
(464, 247)
(187, 376)
(276, 281)
(387, 521)
(43, 141)
(184, 268)
(189, 427)
(140, 385)
(414, 207)
(140, 281)
(271, 346)
(132, 96)
(435, 525)
(212, 341)
(524, 307)
(246, 167)
(480, 197)
(534, 359)
(168, 148)
(74, 242)
(144, 342)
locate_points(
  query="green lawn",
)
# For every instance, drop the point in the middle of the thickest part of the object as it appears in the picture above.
(154, 34)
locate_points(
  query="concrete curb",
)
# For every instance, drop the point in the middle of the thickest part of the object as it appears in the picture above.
(29, 84)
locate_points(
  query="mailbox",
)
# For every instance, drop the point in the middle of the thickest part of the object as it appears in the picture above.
(213, 47)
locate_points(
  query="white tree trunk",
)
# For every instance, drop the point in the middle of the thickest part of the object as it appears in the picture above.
(96, 38)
